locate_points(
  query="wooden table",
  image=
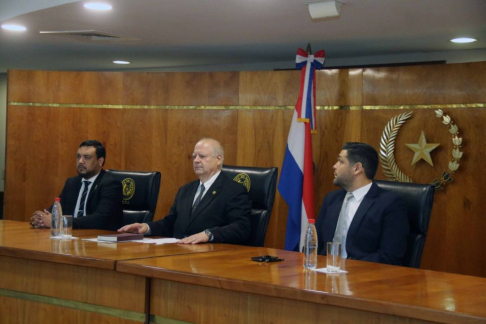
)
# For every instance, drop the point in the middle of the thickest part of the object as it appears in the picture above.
(226, 287)
(51, 281)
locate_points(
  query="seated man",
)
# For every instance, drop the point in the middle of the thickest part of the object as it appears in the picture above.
(369, 222)
(213, 208)
(93, 197)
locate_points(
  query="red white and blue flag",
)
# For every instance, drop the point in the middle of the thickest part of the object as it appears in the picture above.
(296, 184)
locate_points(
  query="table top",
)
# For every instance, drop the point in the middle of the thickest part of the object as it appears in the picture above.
(19, 239)
(421, 294)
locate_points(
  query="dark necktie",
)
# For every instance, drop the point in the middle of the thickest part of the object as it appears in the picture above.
(83, 198)
(198, 199)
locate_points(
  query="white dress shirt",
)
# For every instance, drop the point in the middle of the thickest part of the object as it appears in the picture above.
(207, 185)
(78, 203)
(353, 206)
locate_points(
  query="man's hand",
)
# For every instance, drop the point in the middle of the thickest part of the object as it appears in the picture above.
(41, 219)
(135, 228)
(194, 239)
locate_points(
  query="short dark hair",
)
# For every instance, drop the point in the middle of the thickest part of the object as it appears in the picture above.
(100, 149)
(364, 153)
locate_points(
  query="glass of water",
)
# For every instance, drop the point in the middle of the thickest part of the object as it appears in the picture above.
(333, 256)
(66, 227)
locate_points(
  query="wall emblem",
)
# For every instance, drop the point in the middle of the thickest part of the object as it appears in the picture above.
(422, 150)
(243, 179)
(128, 189)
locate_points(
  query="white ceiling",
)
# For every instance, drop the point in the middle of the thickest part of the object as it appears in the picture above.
(238, 34)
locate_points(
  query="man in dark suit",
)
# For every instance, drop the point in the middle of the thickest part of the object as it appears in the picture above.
(213, 208)
(93, 197)
(370, 223)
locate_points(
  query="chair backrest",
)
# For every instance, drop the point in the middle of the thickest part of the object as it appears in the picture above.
(419, 199)
(140, 194)
(261, 184)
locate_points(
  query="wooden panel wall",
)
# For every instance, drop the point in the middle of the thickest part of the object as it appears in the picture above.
(42, 140)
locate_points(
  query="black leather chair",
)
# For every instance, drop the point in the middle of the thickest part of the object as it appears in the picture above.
(140, 194)
(419, 199)
(261, 184)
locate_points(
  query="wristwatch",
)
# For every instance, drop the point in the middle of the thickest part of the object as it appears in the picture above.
(209, 234)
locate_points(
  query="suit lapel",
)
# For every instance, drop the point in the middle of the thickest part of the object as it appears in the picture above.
(211, 193)
(368, 201)
(94, 186)
(77, 186)
(185, 217)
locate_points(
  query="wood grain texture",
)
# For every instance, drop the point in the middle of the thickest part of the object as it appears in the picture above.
(94, 286)
(420, 295)
(427, 84)
(339, 87)
(15, 311)
(35, 266)
(65, 271)
(40, 153)
(269, 88)
(198, 304)
(20, 240)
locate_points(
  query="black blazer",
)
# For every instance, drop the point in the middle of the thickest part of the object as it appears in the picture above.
(378, 231)
(225, 210)
(104, 205)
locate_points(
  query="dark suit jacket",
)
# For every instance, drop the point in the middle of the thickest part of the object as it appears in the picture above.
(104, 205)
(225, 210)
(378, 231)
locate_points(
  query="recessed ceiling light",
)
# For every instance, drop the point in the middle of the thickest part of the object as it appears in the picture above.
(98, 6)
(14, 27)
(463, 40)
(121, 62)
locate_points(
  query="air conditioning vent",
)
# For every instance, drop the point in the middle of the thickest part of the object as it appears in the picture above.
(88, 35)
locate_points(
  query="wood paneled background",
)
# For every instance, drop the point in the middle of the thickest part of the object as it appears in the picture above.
(151, 121)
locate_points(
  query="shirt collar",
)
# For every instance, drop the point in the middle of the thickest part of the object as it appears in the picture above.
(92, 179)
(211, 180)
(359, 194)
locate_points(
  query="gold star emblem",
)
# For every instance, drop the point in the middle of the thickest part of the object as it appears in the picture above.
(422, 150)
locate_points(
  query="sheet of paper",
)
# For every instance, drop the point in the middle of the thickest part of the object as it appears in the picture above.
(95, 239)
(145, 240)
(324, 270)
(160, 241)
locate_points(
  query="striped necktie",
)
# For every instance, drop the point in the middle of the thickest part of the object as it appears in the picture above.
(198, 199)
(83, 198)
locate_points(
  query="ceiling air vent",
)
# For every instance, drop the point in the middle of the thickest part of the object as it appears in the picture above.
(89, 35)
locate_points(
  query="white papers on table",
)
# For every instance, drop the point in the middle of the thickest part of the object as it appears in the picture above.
(159, 241)
(145, 240)
(324, 270)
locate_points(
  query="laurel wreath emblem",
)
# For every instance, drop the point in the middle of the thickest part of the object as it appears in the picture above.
(438, 183)
(387, 149)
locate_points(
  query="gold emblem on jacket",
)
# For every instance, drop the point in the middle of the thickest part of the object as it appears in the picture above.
(128, 189)
(243, 179)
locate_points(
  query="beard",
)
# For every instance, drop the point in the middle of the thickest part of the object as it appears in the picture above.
(85, 174)
(343, 182)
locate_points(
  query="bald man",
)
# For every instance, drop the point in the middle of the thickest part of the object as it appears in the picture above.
(211, 209)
